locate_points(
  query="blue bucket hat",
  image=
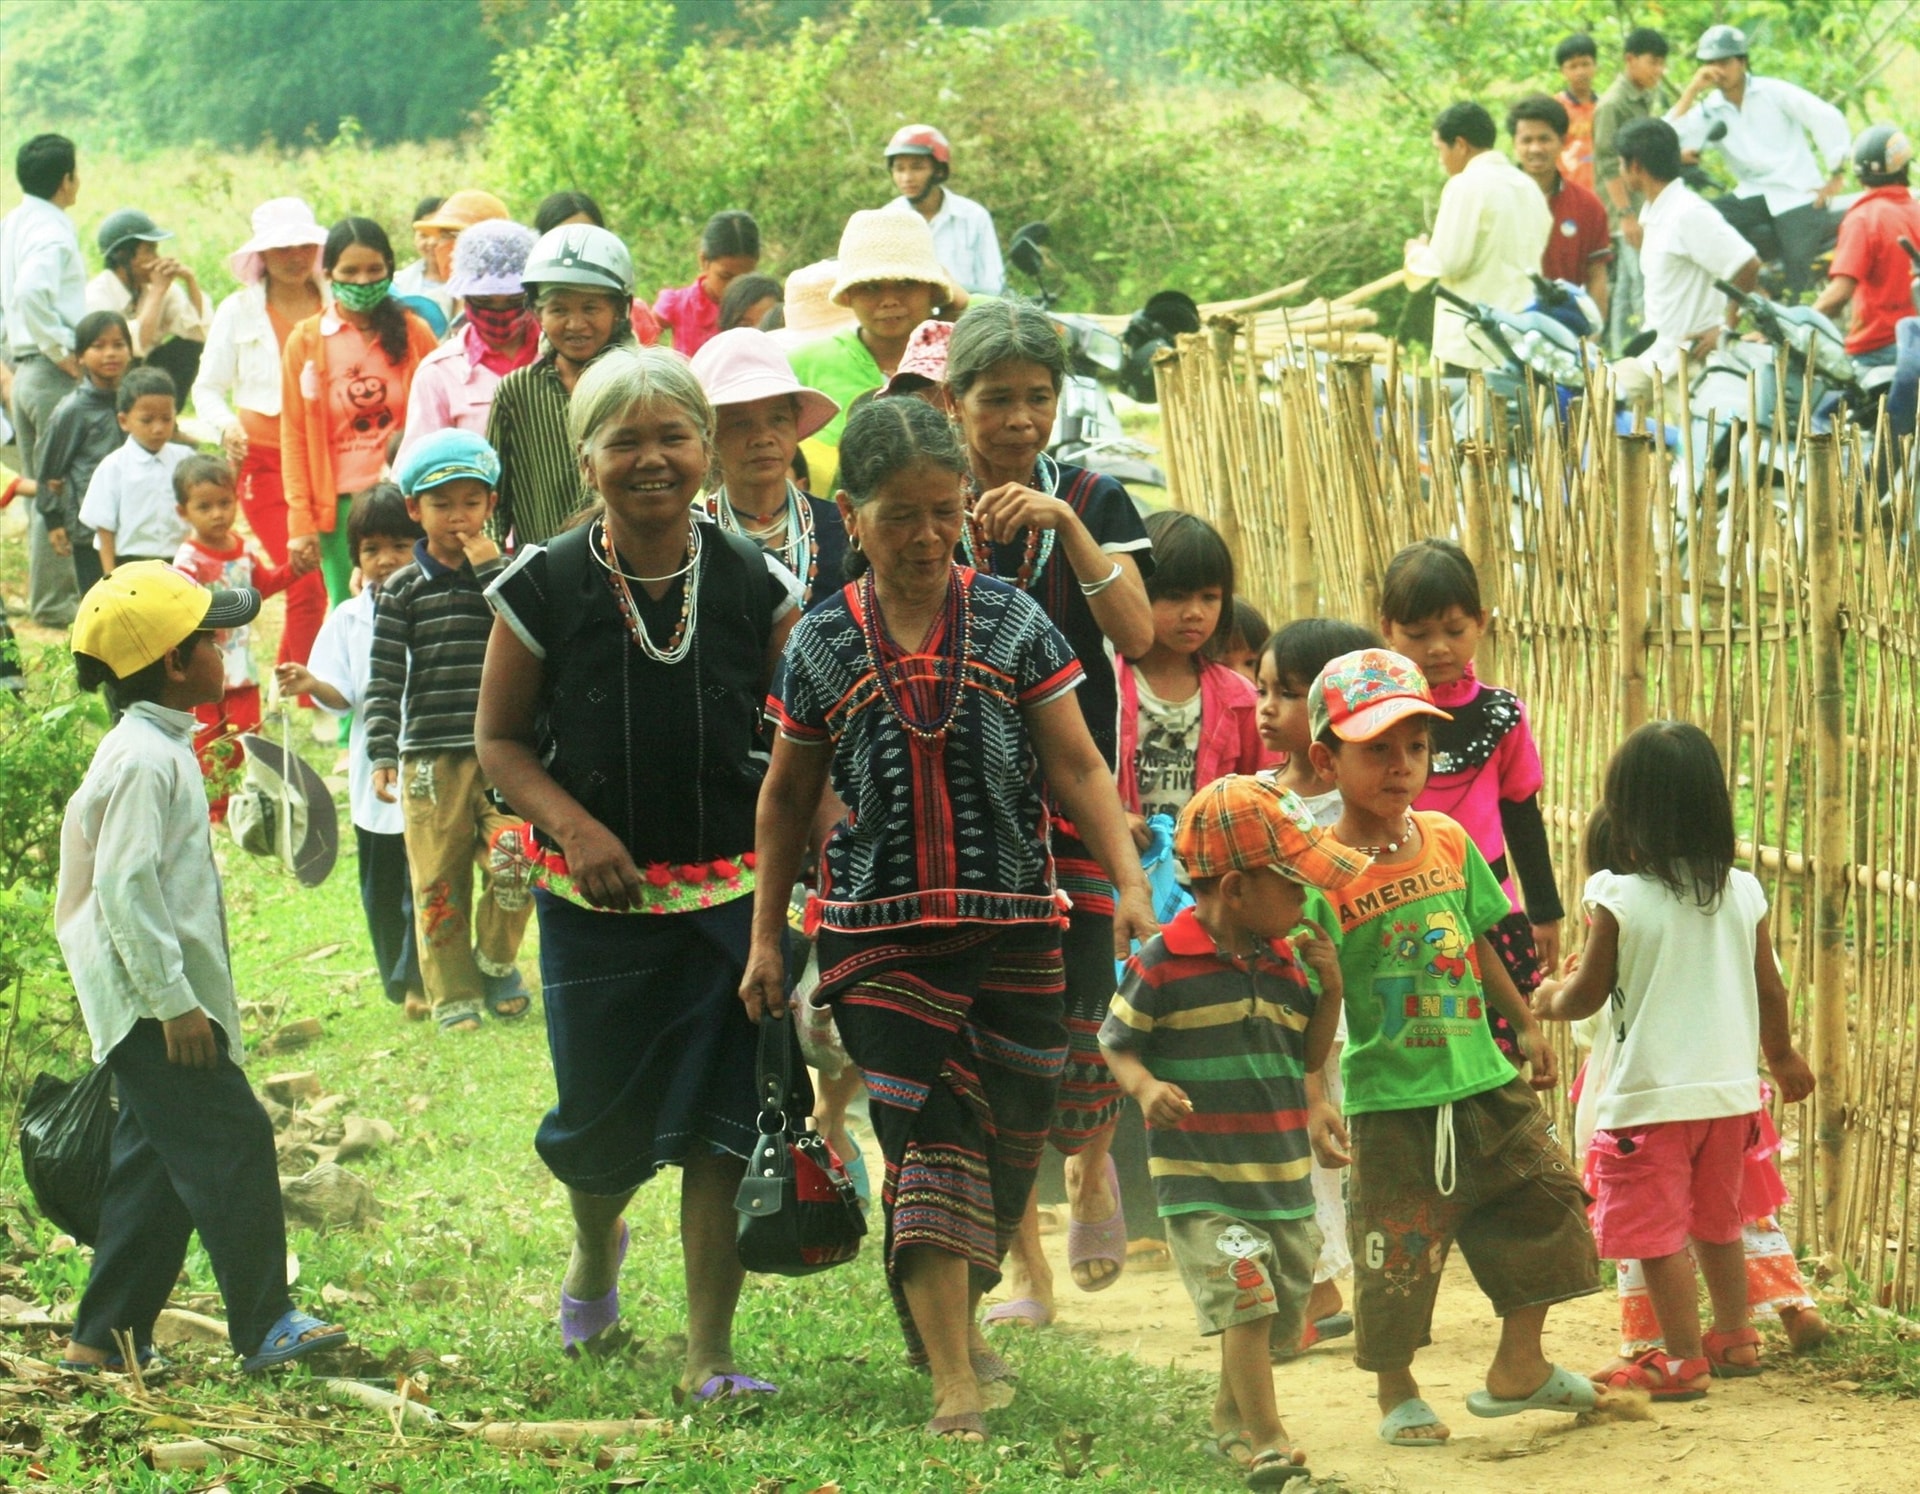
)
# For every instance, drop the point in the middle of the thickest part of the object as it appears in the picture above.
(444, 457)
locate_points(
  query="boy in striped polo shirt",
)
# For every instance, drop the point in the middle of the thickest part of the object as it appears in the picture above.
(1213, 1032)
(430, 633)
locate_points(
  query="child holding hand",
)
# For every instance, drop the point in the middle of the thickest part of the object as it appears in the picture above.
(336, 676)
(1678, 951)
(1219, 1003)
(215, 556)
(1447, 1141)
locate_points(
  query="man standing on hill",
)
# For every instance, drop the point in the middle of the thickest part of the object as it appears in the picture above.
(919, 160)
(43, 287)
(1639, 92)
(1579, 247)
(1487, 238)
(1779, 201)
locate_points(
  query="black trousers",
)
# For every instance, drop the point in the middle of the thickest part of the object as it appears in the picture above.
(192, 1150)
(1795, 238)
(386, 893)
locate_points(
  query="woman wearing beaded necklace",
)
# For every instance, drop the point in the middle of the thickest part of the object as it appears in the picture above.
(625, 683)
(762, 413)
(1073, 540)
(934, 698)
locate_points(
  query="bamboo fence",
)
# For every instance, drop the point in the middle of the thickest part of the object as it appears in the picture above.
(1778, 616)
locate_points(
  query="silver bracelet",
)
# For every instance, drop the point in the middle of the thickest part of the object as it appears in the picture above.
(1094, 588)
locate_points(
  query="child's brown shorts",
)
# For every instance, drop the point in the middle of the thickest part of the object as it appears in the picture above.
(1241, 1270)
(1516, 1207)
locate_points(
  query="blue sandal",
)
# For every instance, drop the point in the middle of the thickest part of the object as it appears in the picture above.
(287, 1340)
(1561, 1391)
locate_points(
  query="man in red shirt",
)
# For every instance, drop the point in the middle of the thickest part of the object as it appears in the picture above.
(1580, 247)
(1870, 269)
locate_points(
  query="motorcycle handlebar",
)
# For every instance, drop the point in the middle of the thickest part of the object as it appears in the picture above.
(1912, 253)
(1453, 299)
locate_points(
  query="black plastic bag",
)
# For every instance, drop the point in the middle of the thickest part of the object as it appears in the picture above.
(66, 1147)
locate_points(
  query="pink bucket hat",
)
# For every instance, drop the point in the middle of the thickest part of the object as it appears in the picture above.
(281, 223)
(745, 364)
(924, 362)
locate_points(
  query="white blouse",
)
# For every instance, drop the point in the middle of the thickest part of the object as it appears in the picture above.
(241, 365)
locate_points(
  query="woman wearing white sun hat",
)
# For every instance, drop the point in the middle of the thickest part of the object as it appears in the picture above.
(237, 391)
(892, 281)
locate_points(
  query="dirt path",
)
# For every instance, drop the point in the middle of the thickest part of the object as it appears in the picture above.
(1780, 1432)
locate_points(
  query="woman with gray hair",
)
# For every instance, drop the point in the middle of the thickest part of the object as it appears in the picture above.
(619, 713)
(1073, 540)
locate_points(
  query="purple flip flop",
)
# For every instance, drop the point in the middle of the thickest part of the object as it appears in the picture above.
(583, 1321)
(1105, 1241)
(1023, 1312)
(732, 1387)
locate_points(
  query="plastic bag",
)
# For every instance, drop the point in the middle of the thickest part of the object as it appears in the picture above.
(66, 1148)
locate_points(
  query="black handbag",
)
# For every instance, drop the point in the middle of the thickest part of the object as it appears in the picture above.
(798, 1210)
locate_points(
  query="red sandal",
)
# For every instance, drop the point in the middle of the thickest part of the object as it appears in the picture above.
(1719, 1345)
(1662, 1378)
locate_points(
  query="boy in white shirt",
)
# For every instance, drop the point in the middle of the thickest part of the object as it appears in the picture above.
(131, 506)
(145, 939)
(380, 536)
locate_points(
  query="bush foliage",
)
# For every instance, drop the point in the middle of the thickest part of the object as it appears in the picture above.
(666, 134)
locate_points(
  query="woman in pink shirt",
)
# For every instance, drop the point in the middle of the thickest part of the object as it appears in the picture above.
(497, 333)
(729, 248)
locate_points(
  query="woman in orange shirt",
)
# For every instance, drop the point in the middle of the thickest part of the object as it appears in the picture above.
(345, 378)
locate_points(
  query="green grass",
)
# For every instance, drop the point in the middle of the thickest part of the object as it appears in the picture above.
(464, 1269)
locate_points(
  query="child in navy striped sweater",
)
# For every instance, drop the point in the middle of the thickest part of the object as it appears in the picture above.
(429, 644)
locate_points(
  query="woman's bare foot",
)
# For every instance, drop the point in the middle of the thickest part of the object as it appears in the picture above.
(1806, 1329)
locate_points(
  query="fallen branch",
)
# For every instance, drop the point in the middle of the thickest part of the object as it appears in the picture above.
(384, 1401)
(161, 1456)
(565, 1433)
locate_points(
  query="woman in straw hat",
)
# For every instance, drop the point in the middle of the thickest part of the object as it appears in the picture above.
(237, 391)
(435, 233)
(892, 282)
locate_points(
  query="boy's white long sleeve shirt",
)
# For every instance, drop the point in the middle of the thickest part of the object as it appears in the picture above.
(139, 916)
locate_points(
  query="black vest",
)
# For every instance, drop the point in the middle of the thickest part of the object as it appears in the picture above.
(667, 757)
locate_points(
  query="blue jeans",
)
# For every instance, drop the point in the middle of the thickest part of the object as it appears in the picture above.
(1905, 393)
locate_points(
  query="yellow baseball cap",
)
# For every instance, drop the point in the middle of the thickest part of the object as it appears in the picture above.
(133, 617)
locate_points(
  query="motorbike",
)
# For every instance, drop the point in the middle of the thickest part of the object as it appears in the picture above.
(1087, 430)
(1773, 271)
(1543, 344)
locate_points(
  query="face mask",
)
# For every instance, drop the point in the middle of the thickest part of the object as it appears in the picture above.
(498, 328)
(361, 299)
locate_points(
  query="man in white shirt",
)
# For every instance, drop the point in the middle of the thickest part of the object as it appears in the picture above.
(43, 282)
(1685, 247)
(1780, 198)
(919, 159)
(1487, 238)
(158, 295)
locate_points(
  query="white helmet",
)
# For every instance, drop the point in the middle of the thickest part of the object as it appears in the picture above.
(579, 254)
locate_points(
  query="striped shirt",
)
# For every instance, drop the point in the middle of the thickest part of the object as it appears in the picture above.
(934, 834)
(1233, 1037)
(429, 643)
(541, 485)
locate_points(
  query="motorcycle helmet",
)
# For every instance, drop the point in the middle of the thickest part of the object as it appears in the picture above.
(1718, 43)
(920, 140)
(579, 254)
(1880, 154)
(129, 226)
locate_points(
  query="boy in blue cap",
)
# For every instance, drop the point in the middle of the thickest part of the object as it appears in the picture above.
(429, 643)
(143, 927)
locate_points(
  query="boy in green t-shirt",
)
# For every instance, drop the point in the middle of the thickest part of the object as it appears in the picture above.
(1447, 1140)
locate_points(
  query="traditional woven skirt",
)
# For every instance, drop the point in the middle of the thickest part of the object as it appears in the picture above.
(652, 1051)
(961, 1036)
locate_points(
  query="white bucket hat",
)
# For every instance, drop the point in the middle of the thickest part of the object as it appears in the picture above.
(886, 244)
(745, 364)
(281, 223)
(807, 306)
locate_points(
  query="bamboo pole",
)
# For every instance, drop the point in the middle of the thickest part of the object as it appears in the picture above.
(1830, 834)
(1631, 473)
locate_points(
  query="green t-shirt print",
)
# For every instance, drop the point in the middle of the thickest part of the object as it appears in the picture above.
(1416, 1014)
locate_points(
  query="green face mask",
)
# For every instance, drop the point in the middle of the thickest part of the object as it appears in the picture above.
(361, 299)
